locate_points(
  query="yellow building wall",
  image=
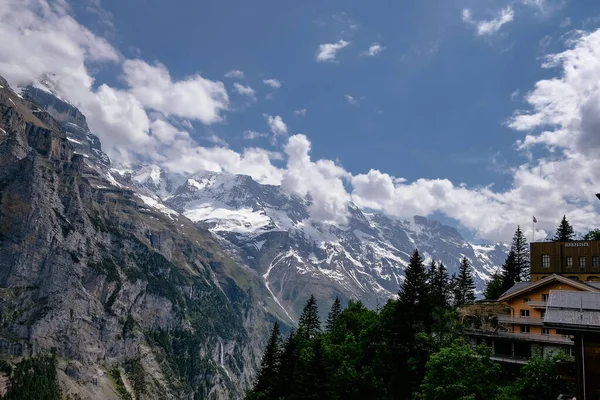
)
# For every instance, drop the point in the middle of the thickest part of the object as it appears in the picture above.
(518, 303)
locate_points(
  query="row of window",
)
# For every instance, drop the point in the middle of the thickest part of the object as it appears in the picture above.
(569, 261)
(525, 329)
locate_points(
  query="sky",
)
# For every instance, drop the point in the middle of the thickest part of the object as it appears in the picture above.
(480, 113)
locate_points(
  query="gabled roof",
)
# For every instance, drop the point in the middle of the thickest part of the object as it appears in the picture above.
(524, 287)
(573, 310)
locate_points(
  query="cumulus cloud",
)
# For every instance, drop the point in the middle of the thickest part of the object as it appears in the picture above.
(327, 52)
(273, 83)
(245, 91)
(235, 74)
(373, 50)
(149, 117)
(351, 100)
(489, 27)
(194, 97)
(276, 125)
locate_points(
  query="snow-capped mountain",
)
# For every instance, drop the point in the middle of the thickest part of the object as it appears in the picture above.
(272, 232)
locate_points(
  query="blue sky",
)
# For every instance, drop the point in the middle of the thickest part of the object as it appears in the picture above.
(434, 99)
(432, 107)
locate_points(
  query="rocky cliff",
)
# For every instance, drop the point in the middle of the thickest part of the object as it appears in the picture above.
(125, 296)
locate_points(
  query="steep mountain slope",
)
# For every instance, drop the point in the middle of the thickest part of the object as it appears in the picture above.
(91, 273)
(273, 234)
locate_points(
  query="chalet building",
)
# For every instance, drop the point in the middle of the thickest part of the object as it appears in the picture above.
(514, 329)
(578, 260)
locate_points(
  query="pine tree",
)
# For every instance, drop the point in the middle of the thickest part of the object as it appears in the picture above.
(287, 367)
(465, 285)
(414, 299)
(493, 290)
(564, 232)
(267, 379)
(334, 315)
(309, 324)
(510, 271)
(520, 248)
(439, 285)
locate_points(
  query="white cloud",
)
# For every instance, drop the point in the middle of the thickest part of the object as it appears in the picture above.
(373, 50)
(250, 135)
(489, 27)
(235, 74)
(514, 96)
(245, 91)
(545, 42)
(328, 51)
(300, 113)
(194, 97)
(276, 125)
(273, 83)
(351, 100)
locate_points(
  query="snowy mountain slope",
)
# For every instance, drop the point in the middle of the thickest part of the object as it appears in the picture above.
(273, 233)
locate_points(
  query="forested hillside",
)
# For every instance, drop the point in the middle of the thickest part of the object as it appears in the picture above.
(412, 348)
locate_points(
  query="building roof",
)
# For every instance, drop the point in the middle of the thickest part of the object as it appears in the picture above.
(571, 310)
(523, 287)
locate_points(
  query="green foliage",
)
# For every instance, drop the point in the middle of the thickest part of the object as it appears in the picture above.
(459, 372)
(564, 232)
(539, 380)
(135, 374)
(309, 324)
(440, 288)
(500, 283)
(464, 291)
(115, 376)
(267, 379)
(34, 378)
(594, 234)
(333, 316)
(520, 248)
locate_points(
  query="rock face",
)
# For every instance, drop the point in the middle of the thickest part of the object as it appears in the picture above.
(272, 233)
(90, 272)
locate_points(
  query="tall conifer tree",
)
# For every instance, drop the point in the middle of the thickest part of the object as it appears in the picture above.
(334, 315)
(267, 379)
(564, 232)
(465, 285)
(520, 248)
(309, 324)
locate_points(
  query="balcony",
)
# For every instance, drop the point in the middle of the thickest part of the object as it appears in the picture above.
(507, 319)
(525, 337)
(537, 304)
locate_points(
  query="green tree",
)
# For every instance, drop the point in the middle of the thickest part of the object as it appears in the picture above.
(564, 232)
(594, 234)
(287, 366)
(494, 287)
(413, 298)
(309, 324)
(34, 378)
(439, 285)
(520, 248)
(539, 379)
(334, 315)
(267, 379)
(458, 372)
(464, 292)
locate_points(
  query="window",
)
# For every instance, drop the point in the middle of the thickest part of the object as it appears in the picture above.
(571, 351)
(545, 296)
(569, 262)
(524, 328)
(595, 262)
(545, 260)
(524, 313)
(526, 299)
(545, 331)
(543, 312)
(582, 262)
